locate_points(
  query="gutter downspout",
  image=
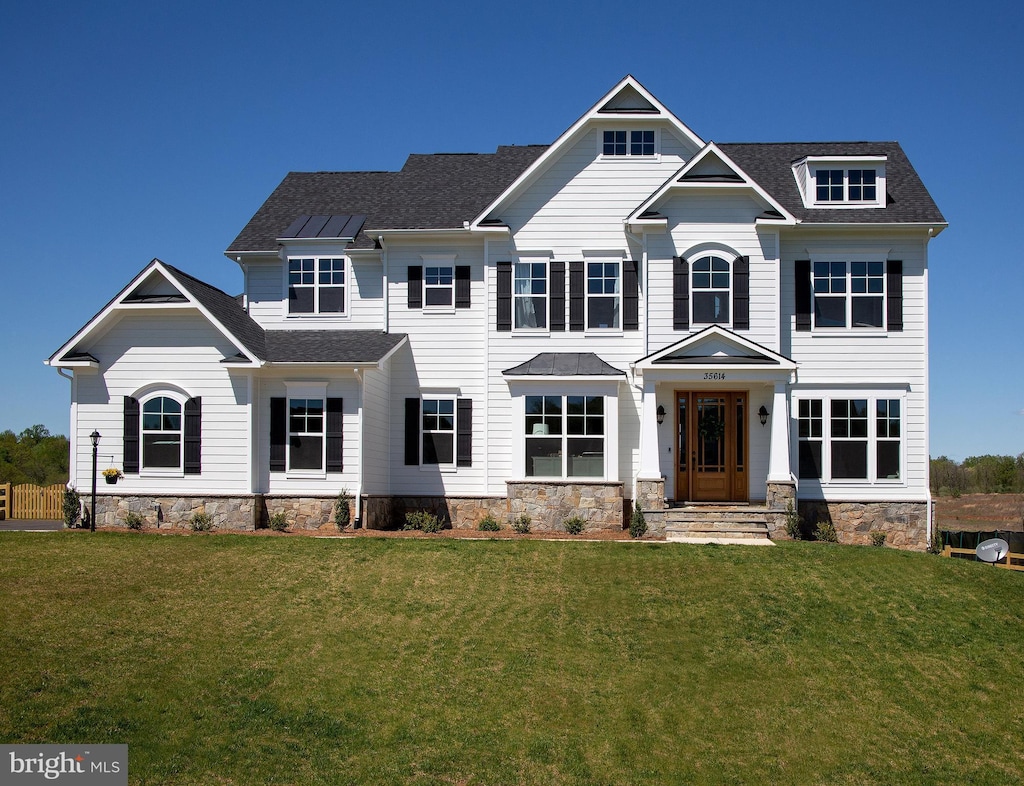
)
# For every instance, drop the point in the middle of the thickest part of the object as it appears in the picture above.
(387, 300)
(362, 453)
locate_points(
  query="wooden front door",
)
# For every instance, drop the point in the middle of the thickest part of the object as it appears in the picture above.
(711, 458)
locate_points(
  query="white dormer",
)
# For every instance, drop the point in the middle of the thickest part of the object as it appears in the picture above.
(841, 181)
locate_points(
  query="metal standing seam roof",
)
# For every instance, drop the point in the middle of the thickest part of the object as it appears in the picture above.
(564, 364)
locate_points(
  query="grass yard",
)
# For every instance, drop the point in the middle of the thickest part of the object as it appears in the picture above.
(257, 660)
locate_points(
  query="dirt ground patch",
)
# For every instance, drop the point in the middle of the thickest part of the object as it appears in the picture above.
(980, 513)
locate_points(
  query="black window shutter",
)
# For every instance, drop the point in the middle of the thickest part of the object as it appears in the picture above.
(464, 432)
(131, 435)
(802, 271)
(278, 433)
(504, 298)
(415, 286)
(680, 294)
(193, 436)
(335, 440)
(412, 431)
(630, 295)
(577, 302)
(462, 286)
(556, 286)
(894, 294)
(741, 293)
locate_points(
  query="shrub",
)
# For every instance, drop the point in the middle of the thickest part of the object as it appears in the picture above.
(201, 522)
(574, 525)
(488, 524)
(71, 507)
(342, 513)
(637, 522)
(793, 522)
(878, 538)
(278, 522)
(422, 520)
(521, 524)
(133, 520)
(826, 532)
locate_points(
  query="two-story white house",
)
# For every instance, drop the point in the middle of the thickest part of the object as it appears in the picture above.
(629, 314)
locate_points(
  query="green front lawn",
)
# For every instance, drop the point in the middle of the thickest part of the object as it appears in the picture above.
(258, 660)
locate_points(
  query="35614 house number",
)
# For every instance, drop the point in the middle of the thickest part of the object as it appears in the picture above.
(714, 375)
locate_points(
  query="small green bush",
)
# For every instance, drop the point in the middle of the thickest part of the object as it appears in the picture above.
(574, 525)
(342, 513)
(71, 507)
(637, 522)
(201, 522)
(826, 532)
(935, 544)
(278, 522)
(133, 520)
(488, 524)
(878, 538)
(422, 520)
(793, 529)
(521, 524)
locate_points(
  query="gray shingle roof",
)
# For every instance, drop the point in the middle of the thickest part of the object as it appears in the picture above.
(330, 346)
(438, 191)
(771, 166)
(563, 364)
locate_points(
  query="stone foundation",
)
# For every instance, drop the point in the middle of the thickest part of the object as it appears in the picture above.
(548, 504)
(301, 513)
(454, 512)
(651, 494)
(237, 513)
(905, 523)
(778, 498)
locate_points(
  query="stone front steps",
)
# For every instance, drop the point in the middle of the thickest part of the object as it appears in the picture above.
(744, 525)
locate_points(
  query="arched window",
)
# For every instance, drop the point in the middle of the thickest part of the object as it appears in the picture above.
(711, 291)
(161, 433)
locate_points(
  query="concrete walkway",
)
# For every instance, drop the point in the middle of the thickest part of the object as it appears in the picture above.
(29, 525)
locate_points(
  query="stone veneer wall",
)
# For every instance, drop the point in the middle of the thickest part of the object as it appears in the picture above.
(778, 498)
(549, 503)
(455, 512)
(236, 513)
(905, 523)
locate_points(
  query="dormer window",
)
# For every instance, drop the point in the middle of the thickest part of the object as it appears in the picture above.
(841, 181)
(628, 143)
(316, 286)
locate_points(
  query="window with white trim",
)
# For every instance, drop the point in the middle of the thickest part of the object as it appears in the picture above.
(636, 142)
(438, 286)
(603, 295)
(845, 185)
(862, 441)
(848, 294)
(530, 295)
(306, 433)
(565, 436)
(438, 429)
(161, 433)
(316, 285)
(711, 291)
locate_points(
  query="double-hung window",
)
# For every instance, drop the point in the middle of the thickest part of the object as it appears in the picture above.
(711, 291)
(316, 285)
(850, 439)
(603, 295)
(438, 286)
(530, 295)
(161, 433)
(439, 431)
(849, 294)
(628, 143)
(565, 436)
(305, 433)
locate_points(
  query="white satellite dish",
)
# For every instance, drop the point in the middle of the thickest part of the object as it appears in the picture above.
(992, 550)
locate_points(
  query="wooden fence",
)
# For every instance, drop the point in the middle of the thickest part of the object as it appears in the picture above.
(1012, 561)
(29, 501)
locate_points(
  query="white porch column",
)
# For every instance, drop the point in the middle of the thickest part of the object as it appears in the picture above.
(778, 463)
(650, 466)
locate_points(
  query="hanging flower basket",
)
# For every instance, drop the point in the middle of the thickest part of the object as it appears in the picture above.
(112, 475)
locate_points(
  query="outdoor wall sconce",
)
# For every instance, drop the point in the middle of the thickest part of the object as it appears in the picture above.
(661, 414)
(763, 415)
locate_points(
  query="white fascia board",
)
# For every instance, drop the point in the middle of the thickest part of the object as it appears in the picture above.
(407, 234)
(673, 184)
(544, 379)
(593, 114)
(932, 228)
(723, 334)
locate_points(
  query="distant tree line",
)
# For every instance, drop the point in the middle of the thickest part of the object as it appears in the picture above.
(978, 475)
(34, 456)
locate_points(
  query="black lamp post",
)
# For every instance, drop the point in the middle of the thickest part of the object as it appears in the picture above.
(95, 437)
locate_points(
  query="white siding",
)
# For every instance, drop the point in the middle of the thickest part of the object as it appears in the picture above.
(379, 430)
(175, 349)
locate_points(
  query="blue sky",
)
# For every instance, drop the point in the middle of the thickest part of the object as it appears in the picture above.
(133, 130)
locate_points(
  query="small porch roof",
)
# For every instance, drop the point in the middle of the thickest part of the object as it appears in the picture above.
(718, 349)
(564, 364)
